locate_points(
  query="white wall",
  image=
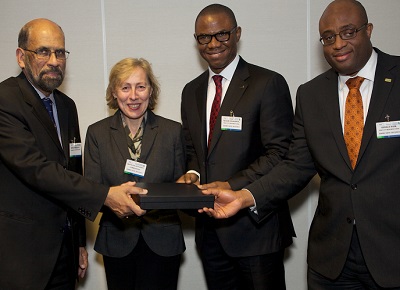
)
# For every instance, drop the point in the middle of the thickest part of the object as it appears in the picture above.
(278, 34)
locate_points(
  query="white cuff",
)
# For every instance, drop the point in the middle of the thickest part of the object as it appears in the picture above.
(254, 207)
(194, 172)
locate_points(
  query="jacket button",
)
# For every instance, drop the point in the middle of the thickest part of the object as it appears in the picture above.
(354, 186)
(62, 230)
(349, 220)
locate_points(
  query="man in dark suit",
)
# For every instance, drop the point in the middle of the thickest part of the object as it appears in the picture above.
(43, 197)
(251, 135)
(355, 234)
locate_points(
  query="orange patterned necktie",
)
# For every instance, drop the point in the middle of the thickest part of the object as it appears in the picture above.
(353, 119)
(216, 105)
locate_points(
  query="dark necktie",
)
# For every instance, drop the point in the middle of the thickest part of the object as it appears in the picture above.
(353, 119)
(48, 104)
(216, 105)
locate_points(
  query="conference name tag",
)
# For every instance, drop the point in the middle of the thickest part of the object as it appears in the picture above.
(75, 149)
(135, 168)
(388, 129)
(231, 123)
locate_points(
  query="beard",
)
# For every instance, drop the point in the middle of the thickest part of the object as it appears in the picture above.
(43, 81)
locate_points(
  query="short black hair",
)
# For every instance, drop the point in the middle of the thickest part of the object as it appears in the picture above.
(218, 8)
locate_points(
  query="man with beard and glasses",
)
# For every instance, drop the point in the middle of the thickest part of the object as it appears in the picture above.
(43, 196)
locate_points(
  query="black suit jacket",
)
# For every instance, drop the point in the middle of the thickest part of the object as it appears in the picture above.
(106, 152)
(262, 98)
(37, 185)
(368, 194)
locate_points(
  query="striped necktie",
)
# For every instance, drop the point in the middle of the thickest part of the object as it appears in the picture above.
(216, 105)
(48, 104)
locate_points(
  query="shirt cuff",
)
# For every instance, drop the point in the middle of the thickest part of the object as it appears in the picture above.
(254, 207)
(194, 172)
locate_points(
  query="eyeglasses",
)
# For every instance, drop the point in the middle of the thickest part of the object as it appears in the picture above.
(220, 36)
(345, 34)
(45, 53)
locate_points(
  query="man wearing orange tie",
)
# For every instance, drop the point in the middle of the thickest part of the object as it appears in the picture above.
(346, 129)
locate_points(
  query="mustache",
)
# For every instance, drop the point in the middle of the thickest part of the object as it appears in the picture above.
(52, 69)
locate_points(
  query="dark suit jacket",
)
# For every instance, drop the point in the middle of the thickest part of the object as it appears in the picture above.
(262, 98)
(368, 194)
(37, 185)
(106, 152)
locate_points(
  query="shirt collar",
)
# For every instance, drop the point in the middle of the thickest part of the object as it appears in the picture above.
(367, 72)
(41, 95)
(144, 121)
(227, 72)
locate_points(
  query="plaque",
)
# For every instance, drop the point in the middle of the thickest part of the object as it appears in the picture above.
(172, 196)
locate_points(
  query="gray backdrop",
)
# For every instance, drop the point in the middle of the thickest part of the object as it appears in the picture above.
(278, 34)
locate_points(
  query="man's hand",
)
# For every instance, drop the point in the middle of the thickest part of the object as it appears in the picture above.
(227, 202)
(189, 178)
(216, 184)
(83, 262)
(120, 201)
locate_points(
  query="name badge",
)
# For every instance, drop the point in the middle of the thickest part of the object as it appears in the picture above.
(231, 123)
(388, 129)
(135, 168)
(75, 150)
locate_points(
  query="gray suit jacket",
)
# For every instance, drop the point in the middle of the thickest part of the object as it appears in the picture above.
(106, 152)
(262, 98)
(369, 194)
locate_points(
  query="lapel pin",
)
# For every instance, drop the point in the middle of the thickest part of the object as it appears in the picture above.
(242, 86)
(388, 80)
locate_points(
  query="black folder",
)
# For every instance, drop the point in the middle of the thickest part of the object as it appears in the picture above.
(172, 196)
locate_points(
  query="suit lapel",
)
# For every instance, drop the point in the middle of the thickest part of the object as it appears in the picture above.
(384, 80)
(330, 103)
(235, 91)
(201, 101)
(32, 98)
(380, 94)
(62, 113)
(118, 135)
(149, 136)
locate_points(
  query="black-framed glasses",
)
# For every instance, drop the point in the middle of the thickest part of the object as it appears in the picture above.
(345, 34)
(220, 36)
(44, 53)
